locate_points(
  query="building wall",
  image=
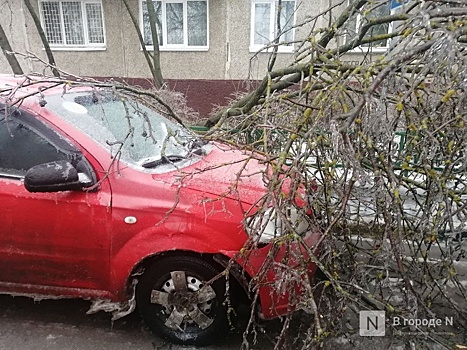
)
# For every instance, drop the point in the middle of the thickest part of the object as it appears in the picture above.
(244, 64)
(228, 56)
(12, 21)
(228, 59)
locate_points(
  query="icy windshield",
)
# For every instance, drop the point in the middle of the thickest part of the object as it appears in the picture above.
(122, 125)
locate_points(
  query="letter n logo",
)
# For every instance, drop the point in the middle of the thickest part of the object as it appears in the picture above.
(372, 323)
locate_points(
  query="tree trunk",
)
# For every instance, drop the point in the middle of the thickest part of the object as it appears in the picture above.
(273, 57)
(43, 37)
(155, 43)
(6, 48)
(155, 71)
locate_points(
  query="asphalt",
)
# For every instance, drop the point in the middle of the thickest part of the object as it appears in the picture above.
(64, 325)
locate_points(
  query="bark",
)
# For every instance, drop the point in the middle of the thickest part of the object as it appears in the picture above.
(6, 48)
(45, 42)
(155, 43)
(157, 78)
(273, 57)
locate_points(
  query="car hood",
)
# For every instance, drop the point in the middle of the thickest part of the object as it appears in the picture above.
(226, 172)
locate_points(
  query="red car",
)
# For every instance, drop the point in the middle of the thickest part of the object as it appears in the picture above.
(104, 199)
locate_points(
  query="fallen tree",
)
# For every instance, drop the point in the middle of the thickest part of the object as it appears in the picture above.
(378, 146)
(384, 139)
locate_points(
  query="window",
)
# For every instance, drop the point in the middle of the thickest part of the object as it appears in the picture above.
(181, 24)
(264, 29)
(73, 23)
(357, 21)
(23, 146)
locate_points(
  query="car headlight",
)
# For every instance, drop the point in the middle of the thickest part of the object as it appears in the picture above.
(265, 226)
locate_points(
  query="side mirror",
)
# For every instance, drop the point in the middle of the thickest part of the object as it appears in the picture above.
(52, 177)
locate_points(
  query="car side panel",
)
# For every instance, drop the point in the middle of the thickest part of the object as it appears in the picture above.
(166, 218)
(54, 239)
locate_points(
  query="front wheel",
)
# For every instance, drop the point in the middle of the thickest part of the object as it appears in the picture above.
(176, 303)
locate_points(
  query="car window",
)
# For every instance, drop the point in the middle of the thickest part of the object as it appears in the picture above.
(23, 146)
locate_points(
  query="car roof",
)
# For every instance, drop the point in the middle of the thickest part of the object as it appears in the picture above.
(30, 85)
(8, 81)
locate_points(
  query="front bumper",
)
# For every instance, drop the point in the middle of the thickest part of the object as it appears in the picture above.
(280, 272)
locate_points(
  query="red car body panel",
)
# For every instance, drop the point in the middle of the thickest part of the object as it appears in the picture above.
(86, 244)
(277, 302)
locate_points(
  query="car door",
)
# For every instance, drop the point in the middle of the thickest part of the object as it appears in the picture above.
(57, 239)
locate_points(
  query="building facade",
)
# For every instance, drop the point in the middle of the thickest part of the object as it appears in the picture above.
(208, 47)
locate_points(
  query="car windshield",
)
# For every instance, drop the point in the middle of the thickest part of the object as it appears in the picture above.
(122, 125)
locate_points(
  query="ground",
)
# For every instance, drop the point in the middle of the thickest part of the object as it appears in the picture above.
(64, 325)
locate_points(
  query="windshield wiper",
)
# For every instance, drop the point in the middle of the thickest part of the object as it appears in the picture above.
(196, 147)
(171, 158)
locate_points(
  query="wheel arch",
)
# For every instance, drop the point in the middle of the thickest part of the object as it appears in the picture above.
(153, 242)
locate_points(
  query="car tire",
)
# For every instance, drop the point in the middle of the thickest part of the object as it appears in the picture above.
(175, 303)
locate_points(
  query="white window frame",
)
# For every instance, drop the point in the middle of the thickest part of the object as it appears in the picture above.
(87, 46)
(272, 27)
(376, 49)
(176, 47)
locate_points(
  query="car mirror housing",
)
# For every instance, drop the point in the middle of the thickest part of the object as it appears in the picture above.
(52, 177)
